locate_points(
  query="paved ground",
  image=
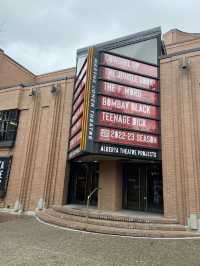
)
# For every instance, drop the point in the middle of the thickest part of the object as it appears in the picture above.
(7, 217)
(25, 241)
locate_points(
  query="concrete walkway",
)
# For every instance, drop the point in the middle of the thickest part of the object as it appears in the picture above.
(25, 241)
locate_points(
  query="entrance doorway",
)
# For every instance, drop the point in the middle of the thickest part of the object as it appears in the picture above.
(83, 179)
(142, 187)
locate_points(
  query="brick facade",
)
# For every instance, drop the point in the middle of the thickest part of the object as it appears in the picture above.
(39, 156)
(180, 125)
(39, 175)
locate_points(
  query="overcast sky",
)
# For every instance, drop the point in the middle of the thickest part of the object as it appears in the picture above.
(43, 35)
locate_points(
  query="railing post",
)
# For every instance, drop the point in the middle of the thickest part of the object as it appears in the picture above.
(88, 203)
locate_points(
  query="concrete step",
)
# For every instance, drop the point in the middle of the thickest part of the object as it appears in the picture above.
(105, 229)
(2, 204)
(114, 216)
(114, 223)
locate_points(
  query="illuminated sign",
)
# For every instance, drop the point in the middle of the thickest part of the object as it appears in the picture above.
(80, 88)
(128, 78)
(129, 138)
(124, 151)
(81, 74)
(78, 101)
(128, 107)
(77, 114)
(129, 65)
(124, 92)
(127, 122)
(80, 107)
(115, 108)
(76, 127)
(75, 141)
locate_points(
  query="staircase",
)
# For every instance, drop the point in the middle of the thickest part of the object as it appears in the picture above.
(115, 223)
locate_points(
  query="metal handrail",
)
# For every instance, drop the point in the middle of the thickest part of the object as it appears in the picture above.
(88, 203)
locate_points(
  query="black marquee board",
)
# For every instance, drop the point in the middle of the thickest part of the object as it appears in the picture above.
(91, 144)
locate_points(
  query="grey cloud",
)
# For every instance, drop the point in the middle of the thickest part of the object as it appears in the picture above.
(43, 35)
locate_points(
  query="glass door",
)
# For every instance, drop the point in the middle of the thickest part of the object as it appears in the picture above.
(154, 188)
(133, 189)
(83, 179)
(142, 187)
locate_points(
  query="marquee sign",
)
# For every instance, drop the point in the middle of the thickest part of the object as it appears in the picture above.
(128, 93)
(125, 151)
(115, 108)
(115, 120)
(129, 138)
(128, 107)
(122, 63)
(80, 107)
(5, 163)
(128, 79)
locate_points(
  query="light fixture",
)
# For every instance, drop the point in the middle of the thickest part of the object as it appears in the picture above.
(184, 63)
(33, 92)
(54, 89)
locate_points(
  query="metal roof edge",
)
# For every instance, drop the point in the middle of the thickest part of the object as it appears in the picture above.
(136, 37)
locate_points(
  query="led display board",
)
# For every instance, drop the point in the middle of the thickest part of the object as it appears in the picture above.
(130, 138)
(130, 79)
(122, 63)
(124, 92)
(128, 107)
(116, 120)
(115, 108)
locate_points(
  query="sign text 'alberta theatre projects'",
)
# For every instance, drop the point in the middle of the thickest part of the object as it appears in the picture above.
(116, 108)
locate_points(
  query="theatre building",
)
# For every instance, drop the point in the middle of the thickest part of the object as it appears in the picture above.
(112, 145)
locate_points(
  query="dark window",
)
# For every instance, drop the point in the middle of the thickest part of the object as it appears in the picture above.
(8, 127)
(145, 51)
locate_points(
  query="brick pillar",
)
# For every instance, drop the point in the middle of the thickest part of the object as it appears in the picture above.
(110, 182)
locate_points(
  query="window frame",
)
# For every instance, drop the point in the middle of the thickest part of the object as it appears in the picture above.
(9, 120)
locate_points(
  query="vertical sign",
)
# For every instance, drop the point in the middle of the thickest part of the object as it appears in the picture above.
(80, 107)
(5, 163)
(89, 136)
